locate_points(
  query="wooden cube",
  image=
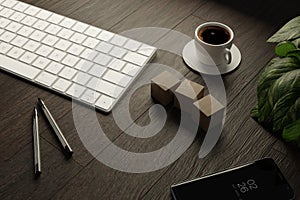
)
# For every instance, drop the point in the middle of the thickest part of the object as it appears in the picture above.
(163, 86)
(207, 107)
(187, 93)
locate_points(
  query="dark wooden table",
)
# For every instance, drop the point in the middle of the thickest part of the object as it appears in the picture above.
(84, 177)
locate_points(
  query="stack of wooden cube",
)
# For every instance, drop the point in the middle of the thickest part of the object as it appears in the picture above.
(167, 89)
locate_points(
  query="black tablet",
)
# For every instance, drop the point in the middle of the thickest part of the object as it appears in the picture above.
(260, 180)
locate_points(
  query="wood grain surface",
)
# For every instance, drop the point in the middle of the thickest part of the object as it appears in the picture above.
(83, 176)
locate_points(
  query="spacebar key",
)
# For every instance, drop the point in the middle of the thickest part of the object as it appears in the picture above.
(16, 67)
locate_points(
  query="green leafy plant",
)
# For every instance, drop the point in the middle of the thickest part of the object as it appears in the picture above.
(278, 90)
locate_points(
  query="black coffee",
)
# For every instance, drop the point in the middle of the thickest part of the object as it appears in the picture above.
(214, 35)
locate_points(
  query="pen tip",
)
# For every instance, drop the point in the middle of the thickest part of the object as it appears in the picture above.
(37, 174)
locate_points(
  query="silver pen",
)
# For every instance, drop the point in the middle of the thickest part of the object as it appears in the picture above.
(36, 144)
(55, 127)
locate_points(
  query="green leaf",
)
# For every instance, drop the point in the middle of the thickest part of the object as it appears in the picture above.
(273, 71)
(296, 42)
(288, 32)
(283, 48)
(292, 132)
(294, 53)
(293, 113)
(254, 112)
(283, 94)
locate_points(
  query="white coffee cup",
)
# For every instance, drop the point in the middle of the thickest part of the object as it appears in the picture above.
(214, 54)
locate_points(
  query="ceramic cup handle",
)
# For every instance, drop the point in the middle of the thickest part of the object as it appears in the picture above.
(228, 56)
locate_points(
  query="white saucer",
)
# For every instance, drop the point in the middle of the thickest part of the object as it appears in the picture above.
(193, 60)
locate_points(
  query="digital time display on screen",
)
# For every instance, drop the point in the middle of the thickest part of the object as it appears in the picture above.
(245, 187)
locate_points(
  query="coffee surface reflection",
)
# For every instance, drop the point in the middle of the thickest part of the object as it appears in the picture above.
(214, 35)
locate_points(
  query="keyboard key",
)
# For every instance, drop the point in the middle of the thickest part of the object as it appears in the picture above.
(19, 41)
(97, 70)
(13, 27)
(146, 50)
(67, 73)
(43, 14)
(70, 60)
(131, 69)
(75, 49)
(116, 64)
(29, 21)
(93, 83)
(102, 59)
(90, 96)
(62, 84)
(92, 31)
(6, 12)
(31, 45)
(84, 65)
(132, 45)
(78, 38)
(118, 40)
(67, 22)
(135, 58)
(65, 34)
(53, 29)
(82, 78)
(19, 68)
(41, 62)
(118, 52)
(9, 3)
(28, 57)
(20, 6)
(41, 24)
(105, 35)
(54, 67)
(4, 22)
(37, 35)
(55, 18)
(50, 40)
(80, 27)
(117, 78)
(108, 88)
(32, 10)
(63, 45)
(17, 16)
(25, 31)
(57, 55)
(15, 52)
(46, 78)
(104, 102)
(90, 42)
(75, 90)
(4, 47)
(44, 50)
(88, 54)
(104, 47)
(7, 36)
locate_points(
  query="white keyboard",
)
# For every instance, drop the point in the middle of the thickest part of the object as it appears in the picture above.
(75, 59)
